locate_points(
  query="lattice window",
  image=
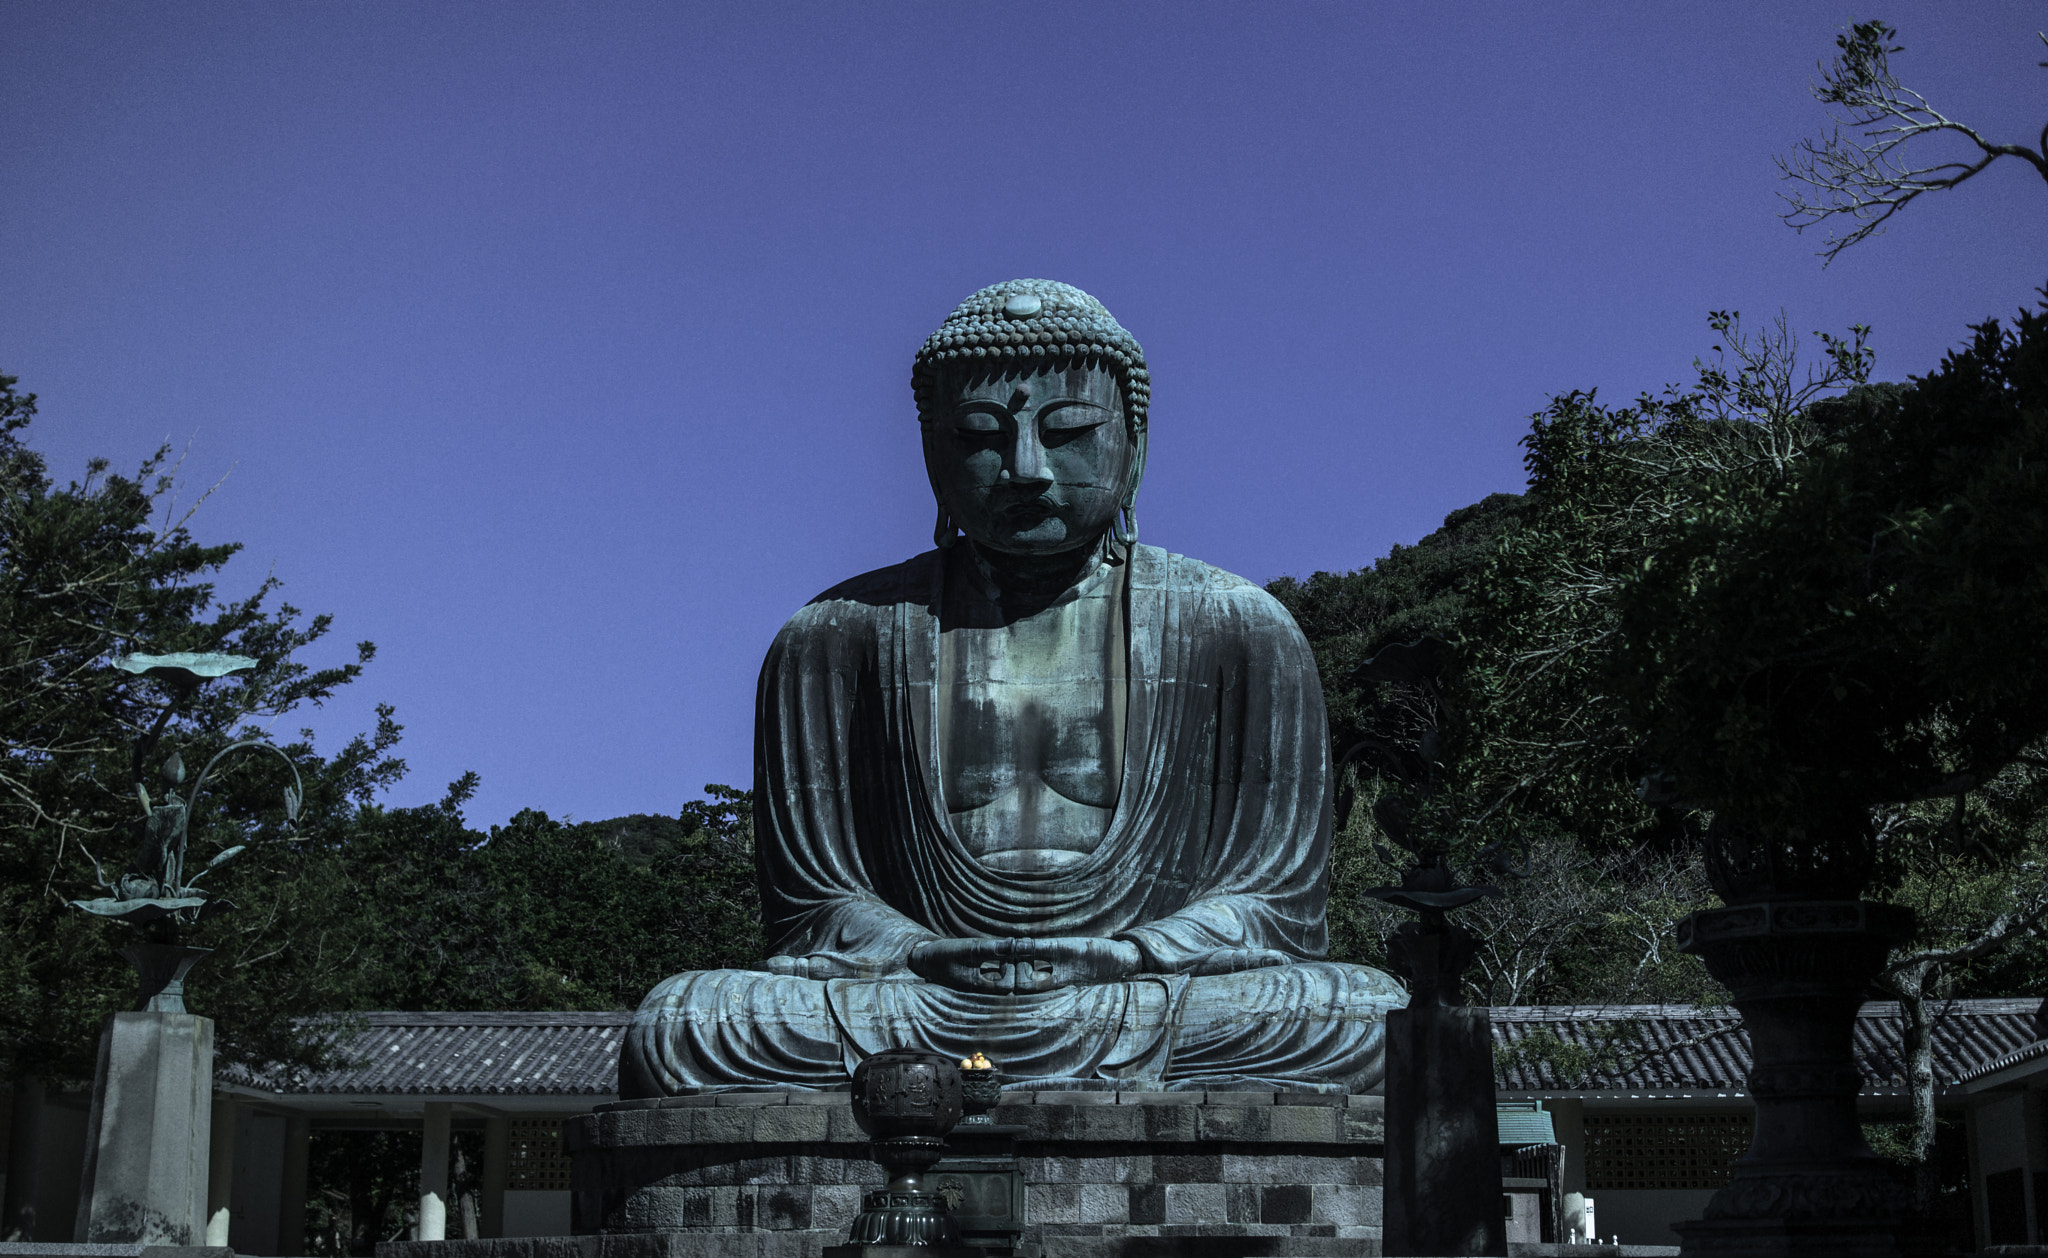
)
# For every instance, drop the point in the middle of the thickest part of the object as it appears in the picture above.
(537, 1161)
(1663, 1150)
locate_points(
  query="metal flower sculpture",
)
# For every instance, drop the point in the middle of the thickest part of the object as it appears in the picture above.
(154, 888)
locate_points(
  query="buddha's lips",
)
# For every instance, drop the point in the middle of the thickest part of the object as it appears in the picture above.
(1027, 513)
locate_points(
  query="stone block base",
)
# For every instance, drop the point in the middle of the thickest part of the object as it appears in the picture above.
(795, 1243)
(1787, 1238)
(1228, 1174)
(819, 1244)
(147, 1136)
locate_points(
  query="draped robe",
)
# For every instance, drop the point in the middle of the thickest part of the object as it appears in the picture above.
(1215, 864)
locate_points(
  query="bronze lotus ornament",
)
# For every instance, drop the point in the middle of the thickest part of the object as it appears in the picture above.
(154, 891)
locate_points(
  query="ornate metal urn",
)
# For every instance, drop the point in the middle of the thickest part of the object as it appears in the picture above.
(906, 1099)
(981, 1089)
(1798, 951)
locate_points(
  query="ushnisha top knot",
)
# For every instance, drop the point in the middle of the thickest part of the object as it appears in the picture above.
(1033, 321)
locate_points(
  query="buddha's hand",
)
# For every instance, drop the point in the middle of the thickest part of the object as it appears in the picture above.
(1017, 966)
(820, 966)
(1232, 960)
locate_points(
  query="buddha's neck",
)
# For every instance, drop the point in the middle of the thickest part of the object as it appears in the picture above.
(1038, 579)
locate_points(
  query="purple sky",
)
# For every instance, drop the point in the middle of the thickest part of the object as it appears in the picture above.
(563, 349)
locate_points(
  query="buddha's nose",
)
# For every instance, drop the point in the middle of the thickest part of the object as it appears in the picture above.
(1027, 468)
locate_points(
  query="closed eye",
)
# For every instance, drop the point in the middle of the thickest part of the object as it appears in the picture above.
(979, 422)
(1064, 419)
(1054, 437)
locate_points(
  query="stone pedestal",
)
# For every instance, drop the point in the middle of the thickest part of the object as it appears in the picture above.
(1808, 1186)
(1097, 1175)
(148, 1136)
(902, 1251)
(1443, 1192)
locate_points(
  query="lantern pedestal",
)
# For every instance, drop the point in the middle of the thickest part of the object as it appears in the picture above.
(1809, 1186)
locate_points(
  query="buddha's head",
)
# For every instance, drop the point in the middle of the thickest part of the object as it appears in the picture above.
(1033, 403)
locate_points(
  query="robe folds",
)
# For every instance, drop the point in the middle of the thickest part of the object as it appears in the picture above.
(1215, 864)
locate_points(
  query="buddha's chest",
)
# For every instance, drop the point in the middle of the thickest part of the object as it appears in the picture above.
(1029, 731)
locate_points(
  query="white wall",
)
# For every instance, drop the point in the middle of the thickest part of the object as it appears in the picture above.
(533, 1213)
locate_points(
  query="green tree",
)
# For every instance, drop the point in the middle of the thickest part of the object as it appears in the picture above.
(1771, 597)
(1859, 622)
(1579, 925)
(544, 914)
(1543, 742)
(88, 571)
(602, 911)
(1861, 625)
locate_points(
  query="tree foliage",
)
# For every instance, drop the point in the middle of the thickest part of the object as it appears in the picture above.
(542, 914)
(1545, 741)
(90, 570)
(1581, 924)
(1861, 621)
(359, 906)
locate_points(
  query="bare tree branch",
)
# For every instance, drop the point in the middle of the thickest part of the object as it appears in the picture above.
(1855, 172)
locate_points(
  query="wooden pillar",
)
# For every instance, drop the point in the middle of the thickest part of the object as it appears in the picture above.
(220, 1171)
(433, 1224)
(291, 1210)
(1980, 1215)
(24, 1161)
(1568, 1120)
(497, 1170)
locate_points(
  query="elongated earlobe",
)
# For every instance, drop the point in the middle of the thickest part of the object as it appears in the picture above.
(943, 533)
(1124, 529)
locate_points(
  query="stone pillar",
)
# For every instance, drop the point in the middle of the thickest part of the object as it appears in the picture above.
(1443, 1191)
(291, 1208)
(148, 1139)
(433, 1224)
(24, 1161)
(497, 1172)
(1809, 1186)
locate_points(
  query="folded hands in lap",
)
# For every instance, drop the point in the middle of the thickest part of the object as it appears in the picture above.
(1019, 966)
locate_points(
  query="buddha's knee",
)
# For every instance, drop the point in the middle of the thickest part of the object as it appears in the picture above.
(1313, 990)
(725, 1028)
(1314, 1024)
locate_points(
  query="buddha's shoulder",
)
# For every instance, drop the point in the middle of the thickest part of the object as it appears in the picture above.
(1226, 591)
(856, 605)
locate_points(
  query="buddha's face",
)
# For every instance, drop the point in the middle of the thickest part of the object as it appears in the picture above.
(1030, 461)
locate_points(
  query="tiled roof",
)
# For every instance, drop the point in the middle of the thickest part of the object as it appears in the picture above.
(1538, 1049)
(472, 1054)
(1680, 1048)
